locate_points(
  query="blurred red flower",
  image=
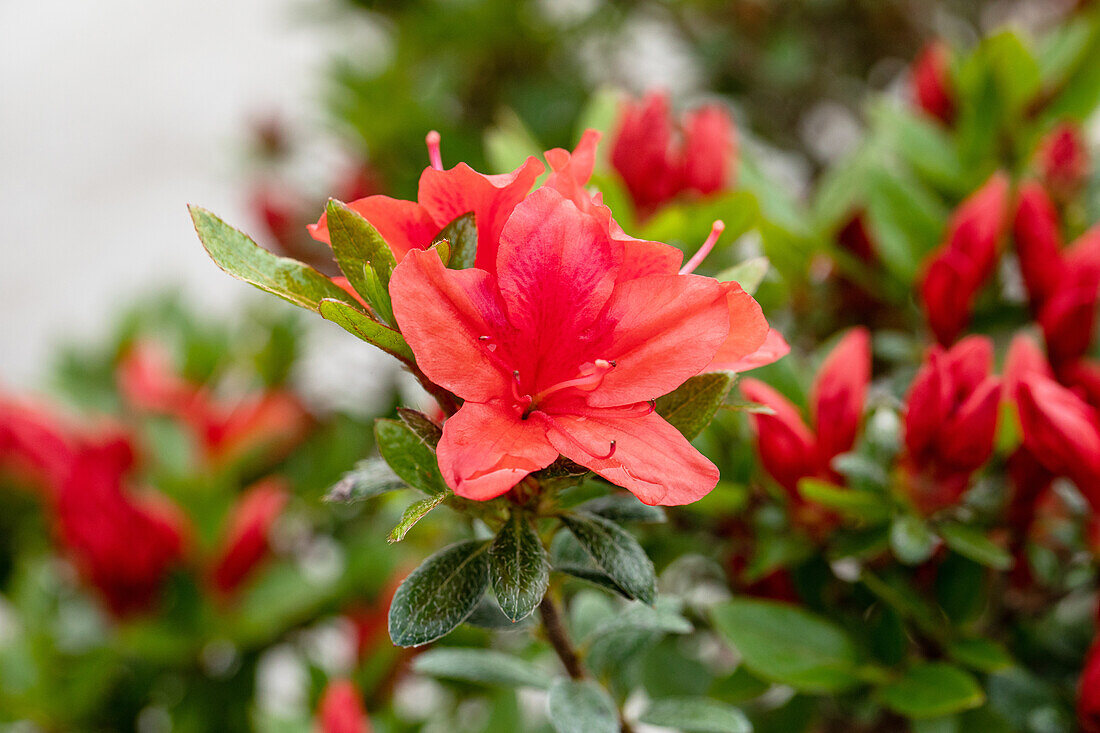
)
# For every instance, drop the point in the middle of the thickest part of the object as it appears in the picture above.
(246, 538)
(341, 710)
(1064, 160)
(930, 78)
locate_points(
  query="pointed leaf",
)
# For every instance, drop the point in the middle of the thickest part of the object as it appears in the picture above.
(369, 478)
(363, 255)
(235, 253)
(519, 567)
(749, 274)
(581, 707)
(484, 666)
(409, 456)
(461, 235)
(624, 508)
(616, 553)
(786, 644)
(569, 557)
(931, 690)
(440, 594)
(972, 543)
(862, 505)
(424, 427)
(692, 406)
(696, 715)
(414, 514)
(984, 655)
(358, 323)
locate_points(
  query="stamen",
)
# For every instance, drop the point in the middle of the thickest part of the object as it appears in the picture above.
(549, 422)
(638, 409)
(697, 259)
(590, 378)
(610, 453)
(434, 153)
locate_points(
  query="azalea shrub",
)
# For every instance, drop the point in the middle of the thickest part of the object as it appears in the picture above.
(678, 447)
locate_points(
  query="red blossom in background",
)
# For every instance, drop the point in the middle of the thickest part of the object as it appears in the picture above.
(789, 449)
(443, 196)
(123, 543)
(930, 79)
(341, 710)
(950, 421)
(560, 354)
(1088, 692)
(34, 445)
(963, 263)
(246, 541)
(1063, 161)
(225, 430)
(659, 160)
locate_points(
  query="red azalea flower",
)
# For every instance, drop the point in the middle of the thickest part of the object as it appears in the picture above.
(789, 449)
(1038, 243)
(930, 78)
(658, 162)
(34, 446)
(123, 544)
(445, 195)
(950, 420)
(556, 354)
(341, 710)
(959, 268)
(1088, 692)
(246, 540)
(1064, 160)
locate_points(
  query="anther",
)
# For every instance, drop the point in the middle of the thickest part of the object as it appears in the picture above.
(697, 259)
(434, 154)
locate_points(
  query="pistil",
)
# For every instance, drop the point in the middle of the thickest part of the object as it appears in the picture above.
(435, 156)
(697, 259)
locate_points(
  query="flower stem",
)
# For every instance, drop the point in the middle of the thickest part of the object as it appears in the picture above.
(555, 632)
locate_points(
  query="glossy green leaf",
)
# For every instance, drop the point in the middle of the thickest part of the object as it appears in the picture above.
(424, 427)
(749, 274)
(692, 406)
(235, 253)
(787, 644)
(414, 513)
(973, 543)
(984, 655)
(363, 255)
(615, 552)
(696, 715)
(409, 455)
(932, 690)
(440, 594)
(358, 323)
(484, 666)
(369, 478)
(568, 556)
(624, 508)
(519, 567)
(862, 505)
(461, 236)
(581, 707)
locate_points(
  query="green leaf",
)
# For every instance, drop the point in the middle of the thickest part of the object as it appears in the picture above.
(696, 715)
(911, 540)
(461, 235)
(664, 617)
(862, 505)
(569, 557)
(692, 406)
(787, 644)
(581, 707)
(690, 222)
(616, 553)
(624, 508)
(972, 543)
(363, 256)
(440, 594)
(484, 666)
(932, 690)
(370, 478)
(358, 323)
(749, 274)
(519, 567)
(983, 655)
(508, 143)
(409, 455)
(415, 513)
(235, 253)
(424, 427)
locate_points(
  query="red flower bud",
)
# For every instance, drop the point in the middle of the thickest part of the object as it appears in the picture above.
(341, 710)
(931, 81)
(787, 448)
(1062, 432)
(246, 540)
(1038, 242)
(1064, 160)
(710, 148)
(1088, 692)
(838, 394)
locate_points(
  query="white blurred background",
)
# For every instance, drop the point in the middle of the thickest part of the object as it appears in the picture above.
(113, 116)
